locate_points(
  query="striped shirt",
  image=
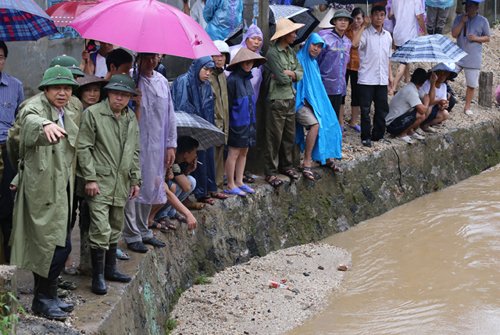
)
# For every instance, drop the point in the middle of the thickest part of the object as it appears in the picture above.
(11, 96)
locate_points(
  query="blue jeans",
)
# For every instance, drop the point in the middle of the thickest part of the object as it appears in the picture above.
(169, 211)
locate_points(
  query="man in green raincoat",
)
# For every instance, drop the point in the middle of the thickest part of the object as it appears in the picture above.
(108, 160)
(44, 183)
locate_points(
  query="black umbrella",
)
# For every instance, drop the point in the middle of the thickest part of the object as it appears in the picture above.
(200, 129)
(295, 14)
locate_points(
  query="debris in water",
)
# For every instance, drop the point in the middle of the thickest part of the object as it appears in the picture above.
(342, 267)
(321, 268)
(307, 274)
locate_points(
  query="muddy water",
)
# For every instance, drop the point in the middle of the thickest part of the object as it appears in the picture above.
(431, 266)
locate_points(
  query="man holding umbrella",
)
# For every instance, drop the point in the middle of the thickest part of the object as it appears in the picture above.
(158, 140)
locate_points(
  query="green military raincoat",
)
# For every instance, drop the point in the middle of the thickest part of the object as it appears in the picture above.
(46, 174)
(108, 152)
(219, 87)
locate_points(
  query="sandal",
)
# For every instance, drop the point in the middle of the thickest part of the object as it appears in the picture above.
(235, 191)
(207, 200)
(179, 217)
(219, 195)
(120, 254)
(247, 189)
(308, 173)
(248, 179)
(194, 205)
(335, 168)
(274, 181)
(291, 173)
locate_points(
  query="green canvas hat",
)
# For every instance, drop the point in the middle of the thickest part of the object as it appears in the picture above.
(341, 13)
(69, 62)
(57, 75)
(121, 82)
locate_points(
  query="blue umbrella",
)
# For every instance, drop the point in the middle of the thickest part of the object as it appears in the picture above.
(24, 20)
(429, 49)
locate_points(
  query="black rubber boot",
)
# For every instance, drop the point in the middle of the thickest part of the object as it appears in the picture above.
(110, 272)
(98, 283)
(61, 304)
(43, 303)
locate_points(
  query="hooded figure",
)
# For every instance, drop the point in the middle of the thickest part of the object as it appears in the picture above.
(253, 31)
(222, 17)
(311, 89)
(194, 96)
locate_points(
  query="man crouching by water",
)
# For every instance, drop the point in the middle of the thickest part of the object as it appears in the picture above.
(42, 206)
(108, 160)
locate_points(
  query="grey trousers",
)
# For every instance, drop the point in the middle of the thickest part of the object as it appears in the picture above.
(136, 222)
(436, 19)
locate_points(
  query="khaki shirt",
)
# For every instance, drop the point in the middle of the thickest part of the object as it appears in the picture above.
(219, 87)
(108, 152)
(278, 60)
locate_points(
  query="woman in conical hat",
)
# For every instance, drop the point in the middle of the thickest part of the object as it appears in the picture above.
(242, 134)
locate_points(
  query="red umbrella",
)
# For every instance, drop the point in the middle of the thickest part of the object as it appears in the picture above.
(64, 12)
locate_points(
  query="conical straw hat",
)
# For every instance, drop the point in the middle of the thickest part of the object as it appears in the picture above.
(244, 55)
(284, 27)
(325, 23)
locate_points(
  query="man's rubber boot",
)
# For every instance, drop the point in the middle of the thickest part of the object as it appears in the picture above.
(98, 283)
(110, 272)
(43, 304)
(66, 307)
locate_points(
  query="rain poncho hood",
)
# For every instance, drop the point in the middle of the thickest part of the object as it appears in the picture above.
(310, 88)
(222, 17)
(256, 80)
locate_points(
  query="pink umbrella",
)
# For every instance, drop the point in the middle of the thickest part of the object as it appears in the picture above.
(145, 26)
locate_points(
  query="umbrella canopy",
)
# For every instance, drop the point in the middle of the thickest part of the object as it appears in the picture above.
(145, 26)
(200, 129)
(24, 20)
(429, 48)
(295, 14)
(349, 2)
(65, 12)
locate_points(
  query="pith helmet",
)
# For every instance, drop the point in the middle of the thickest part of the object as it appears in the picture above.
(244, 55)
(223, 49)
(57, 75)
(121, 82)
(69, 62)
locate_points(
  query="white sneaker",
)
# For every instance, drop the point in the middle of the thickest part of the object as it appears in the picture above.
(469, 112)
(406, 139)
(417, 136)
(429, 129)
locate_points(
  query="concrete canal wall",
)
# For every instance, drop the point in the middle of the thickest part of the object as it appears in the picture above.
(237, 229)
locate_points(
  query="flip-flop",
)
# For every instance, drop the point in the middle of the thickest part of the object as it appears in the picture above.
(120, 254)
(246, 188)
(218, 195)
(235, 191)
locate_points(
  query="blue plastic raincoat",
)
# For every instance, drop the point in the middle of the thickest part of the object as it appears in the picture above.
(194, 96)
(222, 17)
(310, 88)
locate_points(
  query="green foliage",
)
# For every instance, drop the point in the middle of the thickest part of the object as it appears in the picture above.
(9, 318)
(202, 280)
(170, 325)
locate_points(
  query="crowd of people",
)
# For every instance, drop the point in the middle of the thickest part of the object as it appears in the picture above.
(100, 139)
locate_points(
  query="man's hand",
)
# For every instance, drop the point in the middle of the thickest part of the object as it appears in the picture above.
(291, 74)
(434, 78)
(92, 189)
(191, 221)
(367, 21)
(53, 132)
(465, 18)
(443, 104)
(473, 38)
(13, 187)
(191, 167)
(169, 158)
(134, 192)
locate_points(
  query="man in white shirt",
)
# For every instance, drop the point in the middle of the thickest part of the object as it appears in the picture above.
(409, 15)
(374, 75)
